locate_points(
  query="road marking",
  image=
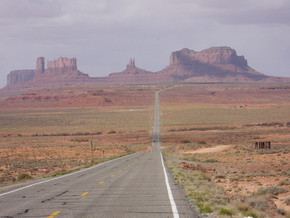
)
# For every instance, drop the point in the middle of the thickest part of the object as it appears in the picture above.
(53, 214)
(38, 183)
(172, 202)
(101, 182)
(113, 175)
(84, 194)
(156, 146)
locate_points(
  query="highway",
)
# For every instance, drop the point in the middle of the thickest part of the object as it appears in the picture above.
(137, 185)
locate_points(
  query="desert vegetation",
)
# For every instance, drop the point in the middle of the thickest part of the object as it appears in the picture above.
(43, 135)
(209, 133)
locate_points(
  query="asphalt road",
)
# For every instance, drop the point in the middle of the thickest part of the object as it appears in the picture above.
(132, 186)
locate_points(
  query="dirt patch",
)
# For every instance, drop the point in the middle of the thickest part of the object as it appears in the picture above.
(280, 202)
(215, 149)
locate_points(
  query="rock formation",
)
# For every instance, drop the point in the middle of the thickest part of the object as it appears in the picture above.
(40, 66)
(131, 64)
(59, 71)
(131, 74)
(19, 76)
(130, 71)
(217, 64)
(214, 55)
(62, 65)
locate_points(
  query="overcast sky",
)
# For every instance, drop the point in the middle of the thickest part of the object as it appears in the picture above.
(104, 34)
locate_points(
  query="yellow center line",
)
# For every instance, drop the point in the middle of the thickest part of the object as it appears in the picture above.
(54, 214)
(101, 182)
(113, 175)
(84, 194)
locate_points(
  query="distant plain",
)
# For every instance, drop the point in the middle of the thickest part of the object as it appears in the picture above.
(208, 132)
(47, 132)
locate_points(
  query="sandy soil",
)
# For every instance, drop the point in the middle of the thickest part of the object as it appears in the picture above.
(208, 150)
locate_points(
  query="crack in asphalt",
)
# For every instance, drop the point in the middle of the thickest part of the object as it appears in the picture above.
(58, 195)
(25, 211)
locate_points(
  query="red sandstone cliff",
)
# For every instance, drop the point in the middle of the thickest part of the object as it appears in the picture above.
(62, 66)
(131, 74)
(213, 64)
(59, 71)
(19, 76)
(62, 70)
(40, 66)
(217, 64)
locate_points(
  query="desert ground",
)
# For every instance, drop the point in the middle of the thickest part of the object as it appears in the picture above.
(209, 133)
(50, 131)
(208, 136)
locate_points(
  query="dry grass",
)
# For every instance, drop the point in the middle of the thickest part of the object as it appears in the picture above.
(41, 141)
(209, 116)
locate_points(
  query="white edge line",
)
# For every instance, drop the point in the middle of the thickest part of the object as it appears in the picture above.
(170, 195)
(70, 174)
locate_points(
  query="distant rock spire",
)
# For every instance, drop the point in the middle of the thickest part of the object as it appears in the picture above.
(131, 64)
(40, 68)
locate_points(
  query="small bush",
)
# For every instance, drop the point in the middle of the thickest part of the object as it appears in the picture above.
(287, 201)
(285, 182)
(271, 190)
(281, 211)
(204, 208)
(243, 208)
(262, 205)
(226, 212)
(202, 142)
(23, 176)
(219, 176)
(221, 199)
(250, 214)
(185, 141)
(112, 132)
(211, 161)
(199, 199)
(246, 211)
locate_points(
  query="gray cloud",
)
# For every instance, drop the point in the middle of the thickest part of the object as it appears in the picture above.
(259, 16)
(28, 9)
(104, 34)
